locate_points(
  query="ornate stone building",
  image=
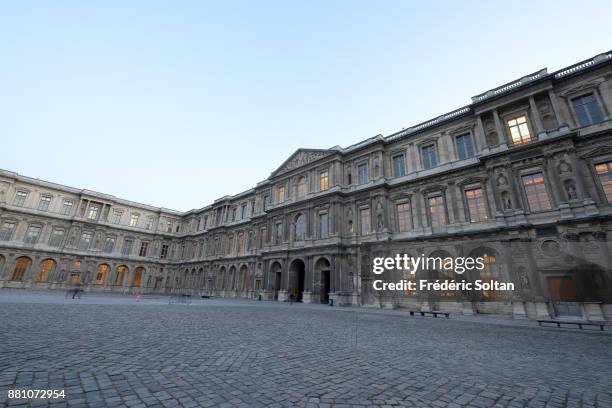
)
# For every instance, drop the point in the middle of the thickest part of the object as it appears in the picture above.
(522, 175)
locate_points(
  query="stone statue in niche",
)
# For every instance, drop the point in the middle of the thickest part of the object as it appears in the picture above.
(524, 279)
(564, 167)
(376, 168)
(380, 215)
(490, 133)
(502, 180)
(570, 188)
(506, 201)
(349, 220)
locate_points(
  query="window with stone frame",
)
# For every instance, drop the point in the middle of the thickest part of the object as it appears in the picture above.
(362, 173)
(429, 156)
(109, 245)
(280, 194)
(302, 187)
(399, 165)
(437, 211)
(6, 232)
(404, 216)
(278, 233)
(365, 221)
(323, 180)
(134, 220)
(300, 227)
(32, 234)
(57, 238)
(519, 130)
(85, 240)
(144, 246)
(94, 212)
(536, 193)
(45, 201)
(323, 225)
(604, 174)
(116, 218)
(20, 198)
(587, 110)
(164, 251)
(476, 204)
(465, 146)
(67, 207)
(127, 247)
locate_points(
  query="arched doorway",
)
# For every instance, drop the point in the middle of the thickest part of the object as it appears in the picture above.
(46, 267)
(22, 264)
(101, 275)
(221, 279)
(120, 276)
(276, 275)
(2, 260)
(244, 273)
(298, 278)
(323, 270)
(232, 278)
(137, 279)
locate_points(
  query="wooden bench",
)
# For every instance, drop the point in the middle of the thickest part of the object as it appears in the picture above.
(433, 314)
(580, 325)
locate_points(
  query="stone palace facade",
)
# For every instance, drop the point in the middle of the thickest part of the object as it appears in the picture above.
(521, 176)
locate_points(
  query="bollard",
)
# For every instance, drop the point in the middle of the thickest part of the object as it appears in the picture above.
(259, 297)
(331, 302)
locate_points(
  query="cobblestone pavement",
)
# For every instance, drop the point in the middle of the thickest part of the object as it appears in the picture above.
(109, 351)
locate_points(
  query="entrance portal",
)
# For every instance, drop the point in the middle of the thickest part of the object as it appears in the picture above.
(323, 270)
(298, 278)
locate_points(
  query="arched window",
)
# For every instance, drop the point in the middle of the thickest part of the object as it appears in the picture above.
(240, 243)
(102, 271)
(121, 271)
(300, 227)
(137, 279)
(489, 273)
(245, 277)
(45, 267)
(302, 187)
(21, 266)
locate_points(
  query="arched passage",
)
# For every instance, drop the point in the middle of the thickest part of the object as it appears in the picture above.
(232, 278)
(120, 276)
(101, 275)
(244, 274)
(323, 271)
(46, 267)
(221, 279)
(137, 278)
(22, 264)
(297, 271)
(276, 275)
(2, 261)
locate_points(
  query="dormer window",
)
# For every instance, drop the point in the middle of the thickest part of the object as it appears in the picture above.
(519, 131)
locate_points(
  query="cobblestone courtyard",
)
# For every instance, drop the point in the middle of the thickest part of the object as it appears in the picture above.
(109, 351)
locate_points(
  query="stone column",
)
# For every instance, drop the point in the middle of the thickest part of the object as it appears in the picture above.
(499, 128)
(479, 134)
(535, 115)
(563, 116)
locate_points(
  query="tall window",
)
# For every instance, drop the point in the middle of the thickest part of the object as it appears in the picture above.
(164, 251)
(323, 180)
(240, 243)
(234, 214)
(477, 207)
(20, 198)
(57, 238)
(535, 189)
(6, 232)
(302, 187)
(465, 147)
(121, 271)
(149, 223)
(323, 226)
(278, 233)
(144, 246)
(300, 227)
(134, 220)
(362, 173)
(265, 201)
(32, 234)
(604, 173)
(127, 247)
(85, 241)
(519, 131)
(21, 266)
(437, 212)
(117, 216)
(45, 267)
(263, 236)
(67, 207)
(102, 271)
(430, 157)
(404, 218)
(229, 246)
(94, 211)
(364, 217)
(399, 165)
(490, 272)
(281, 194)
(109, 244)
(43, 204)
(243, 211)
(586, 110)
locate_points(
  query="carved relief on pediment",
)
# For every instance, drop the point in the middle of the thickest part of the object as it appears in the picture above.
(301, 158)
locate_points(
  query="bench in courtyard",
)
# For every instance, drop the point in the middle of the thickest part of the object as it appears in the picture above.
(431, 314)
(580, 325)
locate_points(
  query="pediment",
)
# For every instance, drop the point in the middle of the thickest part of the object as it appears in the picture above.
(300, 158)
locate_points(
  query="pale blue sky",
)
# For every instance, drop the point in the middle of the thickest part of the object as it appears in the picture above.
(176, 104)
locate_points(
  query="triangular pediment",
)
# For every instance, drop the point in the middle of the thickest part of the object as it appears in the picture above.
(300, 158)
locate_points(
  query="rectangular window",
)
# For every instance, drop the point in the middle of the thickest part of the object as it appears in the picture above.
(362, 173)
(243, 209)
(32, 234)
(429, 156)
(134, 220)
(323, 226)
(281, 194)
(85, 241)
(476, 203)
(127, 247)
(43, 204)
(404, 217)
(364, 217)
(266, 199)
(586, 110)
(94, 211)
(109, 245)
(535, 189)
(117, 216)
(144, 246)
(149, 224)
(57, 238)
(604, 173)
(519, 131)
(263, 236)
(164, 251)
(323, 180)
(465, 147)
(20, 198)
(278, 233)
(6, 232)
(399, 165)
(437, 212)
(67, 208)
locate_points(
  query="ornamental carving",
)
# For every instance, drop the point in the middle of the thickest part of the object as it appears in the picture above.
(301, 158)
